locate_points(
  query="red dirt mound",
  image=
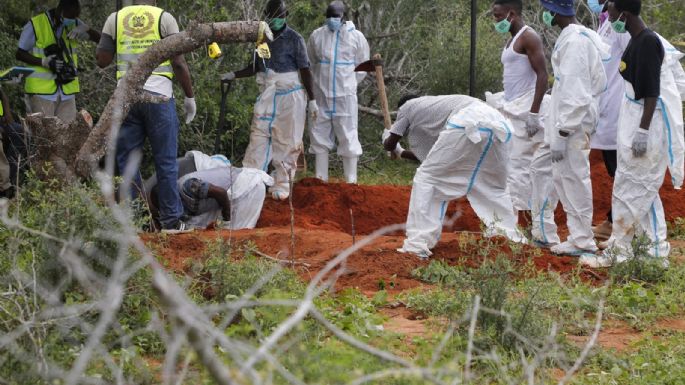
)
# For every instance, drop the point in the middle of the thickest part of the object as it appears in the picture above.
(323, 206)
(324, 224)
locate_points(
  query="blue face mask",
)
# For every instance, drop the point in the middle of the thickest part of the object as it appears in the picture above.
(595, 6)
(334, 23)
(68, 22)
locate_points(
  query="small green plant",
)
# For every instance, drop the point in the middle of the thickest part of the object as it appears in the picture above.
(641, 265)
(439, 272)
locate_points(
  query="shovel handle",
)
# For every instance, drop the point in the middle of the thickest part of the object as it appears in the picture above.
(378, 62)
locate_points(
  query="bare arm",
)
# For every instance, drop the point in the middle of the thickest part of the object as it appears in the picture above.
(532, 45)
(27, 58)
(94, 35)
(221, 197)
(648, 112)
(307, 82)
(246, 72)
(408, 154)
(178, 63)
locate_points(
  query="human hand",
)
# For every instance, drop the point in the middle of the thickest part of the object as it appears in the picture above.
(397, 152)
(639, 145)
(45, 62)
(228, 76)
(313, 110)
(558, 148)
(80, 32)
(533, 124)
(190, 108)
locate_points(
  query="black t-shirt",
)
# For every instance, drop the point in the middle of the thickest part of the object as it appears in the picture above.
(641, 64)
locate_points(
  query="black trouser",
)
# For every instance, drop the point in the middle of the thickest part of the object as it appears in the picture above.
(610, 163)
(15, 147)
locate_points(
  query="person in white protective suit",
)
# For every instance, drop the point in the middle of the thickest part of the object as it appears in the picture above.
(604, 139)
(525, 83)
(335, 50)
(650, 138)
(212, 190)
(468, 158)
(285, 85)
(571, 118)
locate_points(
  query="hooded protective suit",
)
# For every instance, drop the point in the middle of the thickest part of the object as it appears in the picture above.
(334, 55)
(468, 159)
(530, 180)
(636, 202)
(610, 101)
(277, 127)
(579, 81)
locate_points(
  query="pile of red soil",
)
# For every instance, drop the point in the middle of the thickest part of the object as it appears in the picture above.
(324, 226)
(332, 206)
(323, 206)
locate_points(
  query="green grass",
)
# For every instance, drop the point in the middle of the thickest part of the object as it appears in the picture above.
(535, 305)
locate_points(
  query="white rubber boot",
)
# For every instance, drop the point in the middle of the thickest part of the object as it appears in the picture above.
(321, 166)
(350, 169)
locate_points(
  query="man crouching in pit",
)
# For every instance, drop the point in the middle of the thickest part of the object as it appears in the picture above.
(212, 190)
(463, 146)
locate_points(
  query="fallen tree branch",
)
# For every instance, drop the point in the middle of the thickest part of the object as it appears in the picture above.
(129, 91)
(375, 112)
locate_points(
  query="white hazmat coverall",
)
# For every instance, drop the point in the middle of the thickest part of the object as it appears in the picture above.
(579, 81)
(277, 127)
(468, 159)
(530, 167)
(636, 203)
(610, 101)
(334, 55)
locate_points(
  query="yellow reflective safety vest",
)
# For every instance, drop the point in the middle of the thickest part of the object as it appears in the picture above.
(42, 80)
(138, 28)
(2, 110)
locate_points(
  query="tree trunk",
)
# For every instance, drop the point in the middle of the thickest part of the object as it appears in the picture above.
(57, 143)
(130, 91)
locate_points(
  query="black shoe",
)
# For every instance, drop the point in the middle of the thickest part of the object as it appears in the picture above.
(179, 228)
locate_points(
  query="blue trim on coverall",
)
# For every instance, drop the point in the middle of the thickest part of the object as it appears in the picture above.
(664, 114)
(656, 237)
(271, 122)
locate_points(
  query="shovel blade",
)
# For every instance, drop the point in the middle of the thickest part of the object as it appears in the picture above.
(369, 65)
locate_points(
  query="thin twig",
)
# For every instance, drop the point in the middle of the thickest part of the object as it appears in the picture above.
(281, 261)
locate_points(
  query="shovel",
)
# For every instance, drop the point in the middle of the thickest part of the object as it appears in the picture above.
(375, 65)
(222, 126)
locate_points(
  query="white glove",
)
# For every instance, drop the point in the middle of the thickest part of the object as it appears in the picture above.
(533, 124)
(16, 80)
(80, 32)
(228, 76)
(558, 148)
(639, 145)
(398, 151)
(45, 62)
(313, 110)
(190, 109)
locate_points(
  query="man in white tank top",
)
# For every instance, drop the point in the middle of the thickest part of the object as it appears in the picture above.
(525, 77)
